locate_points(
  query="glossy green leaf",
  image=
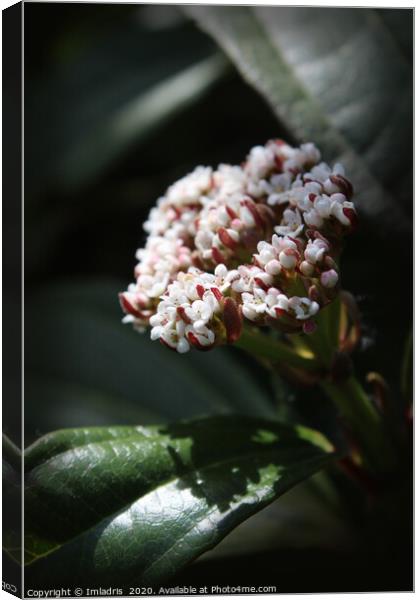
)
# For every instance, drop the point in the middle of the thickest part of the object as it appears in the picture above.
(337, 77)
(135, 504)
(299, 519)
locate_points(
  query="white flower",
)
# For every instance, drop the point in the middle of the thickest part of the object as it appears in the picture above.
(303, 308)
(249, 278)
(190, 188)
(254, 305)
(316, 250)
(291, 224)
(282, 252)
(259, 163)
(277, 302)
(185, 313)
(229, 180)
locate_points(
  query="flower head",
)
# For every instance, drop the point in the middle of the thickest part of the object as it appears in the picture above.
(258, 242)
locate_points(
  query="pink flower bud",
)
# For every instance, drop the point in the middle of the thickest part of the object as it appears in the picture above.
(329, 279)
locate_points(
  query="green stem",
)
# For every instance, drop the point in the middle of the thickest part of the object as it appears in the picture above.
(259, 344)
(367, 425)
(324, 341)
(348, 395)
(11, 452)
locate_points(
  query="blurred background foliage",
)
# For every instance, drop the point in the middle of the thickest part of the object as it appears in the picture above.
(120, 101)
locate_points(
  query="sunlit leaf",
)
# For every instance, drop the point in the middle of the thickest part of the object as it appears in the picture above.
(134, 504)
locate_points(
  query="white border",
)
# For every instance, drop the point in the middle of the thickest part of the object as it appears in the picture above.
(320, 3)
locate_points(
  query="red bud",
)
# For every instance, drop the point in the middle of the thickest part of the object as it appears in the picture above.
(200, 290)
(217, 293)
(343, 184)
(181, 311)
(261, 284)
(254, 212)
(194, 342)
(217, 256)
(128, 307)
(232, 319)
(162, 341)
(232, 214)
(226, 239)
(279, 160)
(351, 215)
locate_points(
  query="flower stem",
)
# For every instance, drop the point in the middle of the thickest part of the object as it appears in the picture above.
(262, 345)
(324, 341)
(314, 354)
(366, 422)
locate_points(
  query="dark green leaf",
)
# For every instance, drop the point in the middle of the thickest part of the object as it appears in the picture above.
(128, 505)
(136, 119)
(299, 519)
(336, 77)
(88, 110)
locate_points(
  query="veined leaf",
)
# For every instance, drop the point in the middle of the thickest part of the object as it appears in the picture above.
(299, 519)
(129, 505)
(336, 77)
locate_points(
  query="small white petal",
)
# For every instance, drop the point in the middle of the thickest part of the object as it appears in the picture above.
(182, 346)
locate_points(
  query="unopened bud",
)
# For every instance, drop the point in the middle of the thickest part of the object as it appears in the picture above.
(232, 320)
(329, 278)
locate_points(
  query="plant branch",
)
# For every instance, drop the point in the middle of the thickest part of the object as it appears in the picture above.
(259, 344)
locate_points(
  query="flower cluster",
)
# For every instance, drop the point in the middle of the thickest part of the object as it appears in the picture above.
(260, 241)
